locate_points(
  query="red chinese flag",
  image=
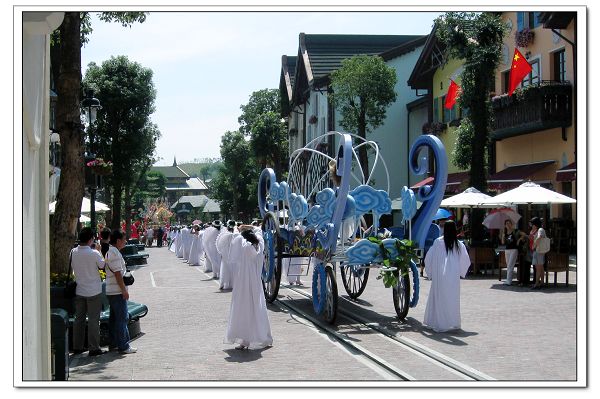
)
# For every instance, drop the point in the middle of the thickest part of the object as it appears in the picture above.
(518, 70)
(452, 94)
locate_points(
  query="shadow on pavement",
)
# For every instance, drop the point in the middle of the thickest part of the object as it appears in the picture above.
(250, 355)
(449, 337)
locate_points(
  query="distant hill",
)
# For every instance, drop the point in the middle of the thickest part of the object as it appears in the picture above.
(196, 169)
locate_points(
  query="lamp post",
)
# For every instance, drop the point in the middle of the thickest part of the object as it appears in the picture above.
(90, 106)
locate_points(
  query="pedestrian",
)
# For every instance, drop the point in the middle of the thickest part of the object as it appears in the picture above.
(249, 324)
(179, 243)
(149, 236)
(209, 240)
(159, 236)
(537, 259)
(511, 238)
(104, 240)
(86, 263)
(445, 263)
(196, 249)
(117, 294)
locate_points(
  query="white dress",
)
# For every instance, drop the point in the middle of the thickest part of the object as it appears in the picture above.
(442, 312)
(210, 247)
(174, 241)
(179, 247)
(223, 244)
(248, 318)
(187, 242)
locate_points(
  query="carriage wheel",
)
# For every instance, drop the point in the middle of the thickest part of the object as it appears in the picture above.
(401, 295)
(325, 295)
(354, 279)
(271, 273)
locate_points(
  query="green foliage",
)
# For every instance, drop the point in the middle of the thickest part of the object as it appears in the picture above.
(363, 88)
(260, 102)
(231, 188)
(397, 266)
(269, 141)
(125, 18)
(461, 155)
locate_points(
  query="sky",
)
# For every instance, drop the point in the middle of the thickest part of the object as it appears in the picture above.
(207, 64)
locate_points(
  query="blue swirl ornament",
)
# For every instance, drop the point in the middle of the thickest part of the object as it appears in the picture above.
(324, 196)
(415, 275)
(319, 288)
(364, 251)
(274, 192)
(317, 216)
(409, 204)
(298, 207)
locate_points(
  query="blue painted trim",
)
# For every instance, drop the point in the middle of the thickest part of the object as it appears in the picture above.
(319, 276)
(265, 182)
(415, 274)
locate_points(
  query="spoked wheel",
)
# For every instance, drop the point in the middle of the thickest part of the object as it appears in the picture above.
(401, 294)
(355, 279)
(271, 273)
(325, 295)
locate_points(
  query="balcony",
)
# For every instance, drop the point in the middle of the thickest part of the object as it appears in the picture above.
(532, 109)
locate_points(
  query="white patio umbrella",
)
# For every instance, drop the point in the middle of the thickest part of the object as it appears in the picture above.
(530, 193)
(84, 219)
(470, 198)
(85, 206)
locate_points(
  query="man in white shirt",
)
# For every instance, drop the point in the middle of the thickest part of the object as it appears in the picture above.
(88, 296)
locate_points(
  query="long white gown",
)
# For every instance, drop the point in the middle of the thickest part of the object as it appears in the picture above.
(187, 243)
(174, 241)
(442, 312)
(210, 247)
(248, 318)
(223, 244)
(179, 248)
(194, 259)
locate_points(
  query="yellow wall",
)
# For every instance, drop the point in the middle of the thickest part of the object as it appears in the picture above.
(441, 82)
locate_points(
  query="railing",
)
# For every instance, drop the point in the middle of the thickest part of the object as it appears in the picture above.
(534, 108)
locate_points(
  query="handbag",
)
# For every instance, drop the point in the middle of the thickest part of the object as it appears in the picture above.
(128, 278)
(70, 285)
(543, 245)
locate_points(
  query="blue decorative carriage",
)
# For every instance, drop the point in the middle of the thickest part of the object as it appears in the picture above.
(319, 214)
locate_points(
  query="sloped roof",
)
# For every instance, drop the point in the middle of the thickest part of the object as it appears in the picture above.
(326, 52)
(212, 206)
(286, 82)
(431, 58)
(170, 171)
(195, 183)
(196, 201)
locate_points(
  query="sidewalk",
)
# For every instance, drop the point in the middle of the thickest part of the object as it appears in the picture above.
(510, 333)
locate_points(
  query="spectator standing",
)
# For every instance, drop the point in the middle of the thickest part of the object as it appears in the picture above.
(88, 295)
(117, 295)
(445, 263)
(104, 240)
(537, 259)
(149, 236)
(511, 237)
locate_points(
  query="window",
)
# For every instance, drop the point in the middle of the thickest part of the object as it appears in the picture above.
(445, 111)
(559, 66)
(436, 110)
(505, 81)
(529, 20)
(534, 76)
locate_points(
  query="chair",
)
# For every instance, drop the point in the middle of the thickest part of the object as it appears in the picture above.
(557, 262)
(482, 256)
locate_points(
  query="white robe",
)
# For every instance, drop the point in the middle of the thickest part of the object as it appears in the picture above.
(173, 247)
(179, 247)
(442, 312)
(294, 268)
(187, 242)
(196, 250)
(248, 318)
(210, 248)
(223, 244)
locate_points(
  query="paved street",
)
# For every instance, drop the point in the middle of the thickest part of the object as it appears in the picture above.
(508, 333)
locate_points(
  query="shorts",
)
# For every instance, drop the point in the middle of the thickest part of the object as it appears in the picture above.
(537, 258)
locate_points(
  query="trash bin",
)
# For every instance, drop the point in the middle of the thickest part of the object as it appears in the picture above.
(59, 332)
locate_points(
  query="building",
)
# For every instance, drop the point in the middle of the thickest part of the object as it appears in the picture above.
(534, 134)
(179, 183)
(190, 207)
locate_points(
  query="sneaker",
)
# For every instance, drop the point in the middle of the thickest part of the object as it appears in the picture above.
(96, 352)
(78, 351)
(112, 348)
(129, 350)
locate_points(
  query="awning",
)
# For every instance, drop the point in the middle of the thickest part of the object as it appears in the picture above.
(513, 176)
(453, 184)
(567, 173)
(423, 182)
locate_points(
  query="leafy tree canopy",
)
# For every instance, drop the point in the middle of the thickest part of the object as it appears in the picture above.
(261, 102)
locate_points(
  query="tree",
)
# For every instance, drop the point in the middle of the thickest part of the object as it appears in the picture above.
(261, 102)
(124, 128)
(269, 142)
(363, 88)
(475, 38)
(65, 58)
(230, 187)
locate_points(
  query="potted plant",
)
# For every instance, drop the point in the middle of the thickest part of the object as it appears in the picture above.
(524, 37)
(100, 167)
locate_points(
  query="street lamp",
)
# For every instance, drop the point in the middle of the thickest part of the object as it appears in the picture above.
(90, 106)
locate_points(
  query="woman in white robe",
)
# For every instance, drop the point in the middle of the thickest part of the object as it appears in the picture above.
(445, 263)
(187, 242)
(210, 247)
(249, 323)
(179, 239)
(173, 247)
(223, 244)
(207, 263)
(194, 258)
